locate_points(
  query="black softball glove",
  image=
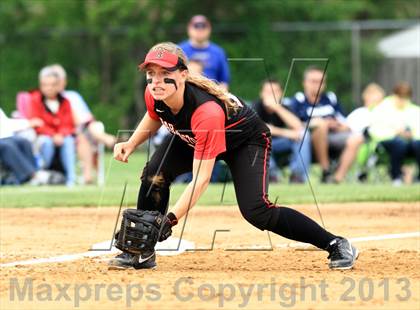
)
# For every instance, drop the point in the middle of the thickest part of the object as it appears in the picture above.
(141, 230)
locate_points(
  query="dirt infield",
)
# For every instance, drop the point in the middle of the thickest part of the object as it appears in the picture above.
(386, 276)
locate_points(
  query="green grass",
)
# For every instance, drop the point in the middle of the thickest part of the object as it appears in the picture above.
(117, 174)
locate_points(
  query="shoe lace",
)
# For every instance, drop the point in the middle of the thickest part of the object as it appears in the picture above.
(337, 251)
(123, 255)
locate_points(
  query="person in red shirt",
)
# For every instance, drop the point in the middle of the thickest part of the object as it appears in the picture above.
(208, 124)
(57, 131)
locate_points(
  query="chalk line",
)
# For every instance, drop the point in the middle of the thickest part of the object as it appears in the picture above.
(172, 243)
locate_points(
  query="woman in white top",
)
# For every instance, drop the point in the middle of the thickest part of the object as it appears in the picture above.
(358, 121)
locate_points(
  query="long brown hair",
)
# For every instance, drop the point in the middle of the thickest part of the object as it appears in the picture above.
(198, 80)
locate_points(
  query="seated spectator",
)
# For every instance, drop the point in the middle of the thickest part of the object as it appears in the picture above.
(359, 122)
(323, 112)
(395, 124)
(287, 132)
(195, 66)
(56, 134)
(89, 131)
(16, 152)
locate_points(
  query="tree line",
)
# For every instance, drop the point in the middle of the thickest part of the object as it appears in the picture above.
(100, 44)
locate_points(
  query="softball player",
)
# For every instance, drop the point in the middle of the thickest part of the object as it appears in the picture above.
(210, 124)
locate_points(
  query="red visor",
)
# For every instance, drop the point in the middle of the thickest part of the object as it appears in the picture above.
(162, 58)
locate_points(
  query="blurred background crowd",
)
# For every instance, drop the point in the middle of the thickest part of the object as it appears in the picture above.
(334, 103)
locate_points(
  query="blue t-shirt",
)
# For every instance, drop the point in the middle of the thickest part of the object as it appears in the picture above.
(213, 58)
(327, 107)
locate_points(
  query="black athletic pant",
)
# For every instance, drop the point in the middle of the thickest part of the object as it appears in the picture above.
(249, 168)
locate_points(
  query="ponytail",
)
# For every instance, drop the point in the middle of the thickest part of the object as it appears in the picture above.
(214, 89)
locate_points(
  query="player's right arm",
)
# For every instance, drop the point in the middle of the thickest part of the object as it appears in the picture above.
(146, 129)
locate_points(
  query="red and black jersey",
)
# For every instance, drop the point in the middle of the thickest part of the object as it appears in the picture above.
(203, 121)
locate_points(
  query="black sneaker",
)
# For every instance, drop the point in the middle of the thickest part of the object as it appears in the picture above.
(127, 260)
(342, 254)
(362, 177)
(326, 176)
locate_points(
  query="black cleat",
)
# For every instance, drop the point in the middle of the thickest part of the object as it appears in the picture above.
(342, 254)
(127, 260)
(146, 261)
(123, 260)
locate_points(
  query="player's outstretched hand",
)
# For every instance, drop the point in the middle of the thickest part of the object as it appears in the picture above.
(123, 150)
(169, 221)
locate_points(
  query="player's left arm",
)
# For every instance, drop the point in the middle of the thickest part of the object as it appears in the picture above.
(202, 170)
(207, 124)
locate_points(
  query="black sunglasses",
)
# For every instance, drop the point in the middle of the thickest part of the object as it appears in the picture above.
(200, 25)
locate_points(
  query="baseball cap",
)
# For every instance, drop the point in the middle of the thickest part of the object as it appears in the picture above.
(163, 58)
(199, 21)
